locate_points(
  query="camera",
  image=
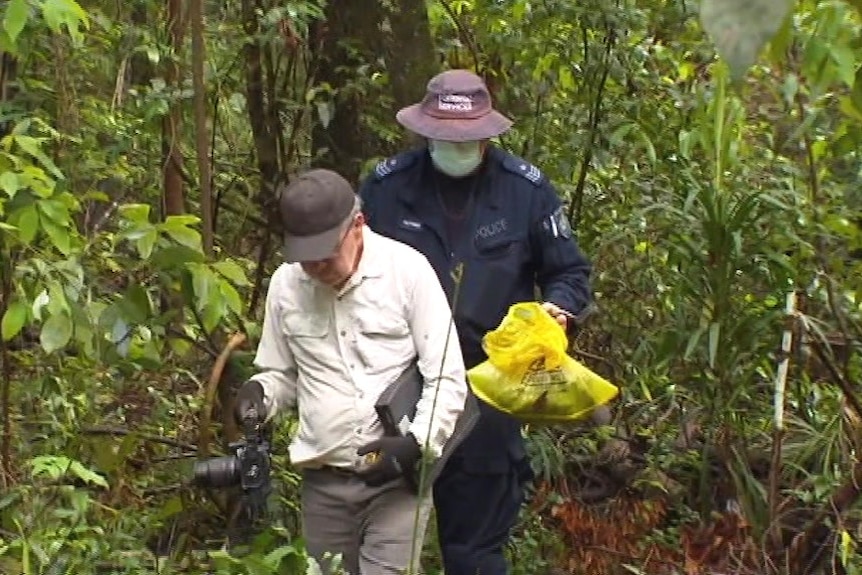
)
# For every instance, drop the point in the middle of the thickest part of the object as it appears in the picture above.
(248, 467)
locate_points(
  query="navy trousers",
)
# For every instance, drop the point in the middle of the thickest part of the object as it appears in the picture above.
(477, 506)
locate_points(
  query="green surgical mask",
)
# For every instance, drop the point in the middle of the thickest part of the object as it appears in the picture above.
(455, 159)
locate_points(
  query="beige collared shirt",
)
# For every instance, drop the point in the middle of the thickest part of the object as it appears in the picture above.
(331, 354)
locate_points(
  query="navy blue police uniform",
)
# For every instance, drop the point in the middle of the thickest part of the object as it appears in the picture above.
(508, 236)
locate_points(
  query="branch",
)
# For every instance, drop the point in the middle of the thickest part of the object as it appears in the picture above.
(122, 431)
(463, 34)
(234, 342)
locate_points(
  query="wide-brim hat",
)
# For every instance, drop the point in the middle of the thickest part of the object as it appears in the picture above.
(316, 209)
(456, 108)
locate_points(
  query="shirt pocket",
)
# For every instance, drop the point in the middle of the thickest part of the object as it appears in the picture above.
(305, 332)
(496, 269)
(384, 339)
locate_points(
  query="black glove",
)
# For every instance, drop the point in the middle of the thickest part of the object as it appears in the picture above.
(250, 395)
(396, 457)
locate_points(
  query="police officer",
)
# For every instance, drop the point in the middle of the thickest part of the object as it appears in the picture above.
(494, 229)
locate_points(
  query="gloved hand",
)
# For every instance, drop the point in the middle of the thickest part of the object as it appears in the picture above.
(250, 395)
(397, 457)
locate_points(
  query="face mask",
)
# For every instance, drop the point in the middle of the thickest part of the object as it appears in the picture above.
(455, 159)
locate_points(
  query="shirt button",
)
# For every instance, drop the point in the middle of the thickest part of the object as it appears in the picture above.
(358, 431)
(343, 333)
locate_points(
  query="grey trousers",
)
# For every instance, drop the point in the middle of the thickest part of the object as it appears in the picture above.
(371, 527)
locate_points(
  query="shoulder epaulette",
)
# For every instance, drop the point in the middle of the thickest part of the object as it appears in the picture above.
(394, 164)
(523, 168)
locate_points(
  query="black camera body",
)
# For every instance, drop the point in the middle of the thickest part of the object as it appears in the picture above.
(248, 467)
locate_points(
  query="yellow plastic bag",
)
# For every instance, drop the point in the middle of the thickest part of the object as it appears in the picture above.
(529, 375)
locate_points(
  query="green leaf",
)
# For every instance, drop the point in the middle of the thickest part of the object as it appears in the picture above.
(173, 257)
(33, 146)
(87, 475)
(202, 284)
(135, 213)
(232, 271)
(135, 304)
(55, 210)
(27, 221)
(147, 242)
(741, 28)
(714, 331)
(56, 467)
(39, 302)
(17, 12)
(184, 236)
(181, 221)
(58, 13)
(231, 297)
(59, 236)
(9, 183)
(56, 332)
(13, 320)
(213, 312)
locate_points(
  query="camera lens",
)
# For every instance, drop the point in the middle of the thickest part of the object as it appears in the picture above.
(217, 472)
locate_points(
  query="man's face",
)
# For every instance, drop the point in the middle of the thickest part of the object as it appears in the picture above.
(337, 268)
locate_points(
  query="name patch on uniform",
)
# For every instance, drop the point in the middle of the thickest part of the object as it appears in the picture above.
(490, 230)
(412, 225)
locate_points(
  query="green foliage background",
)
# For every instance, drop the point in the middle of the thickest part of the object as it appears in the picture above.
(709, 157)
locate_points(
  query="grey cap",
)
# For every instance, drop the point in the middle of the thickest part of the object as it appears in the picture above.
(315, 210)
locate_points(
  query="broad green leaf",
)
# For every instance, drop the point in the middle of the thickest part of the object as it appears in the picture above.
(57, 302)
(39, 302)
(9, 183)
(13, 320)
(135, 213)
(56, 332)
(27, 222)
(59, 236)
(181, 221)
(202, 282)
(231, 297)
(741, 28)
(135, 304)
(184, 236)
(213, 312)
(58, 13)
(147, 242)
(55, 210)
(232, 271)
(17, 12)
(173, 257)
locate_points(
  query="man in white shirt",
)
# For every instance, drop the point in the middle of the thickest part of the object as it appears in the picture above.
(347, 313)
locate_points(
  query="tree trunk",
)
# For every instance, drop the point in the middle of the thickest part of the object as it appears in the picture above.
(201, 132)
(340, 142)
(173, 195)
(265, 141)
(410, 57)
